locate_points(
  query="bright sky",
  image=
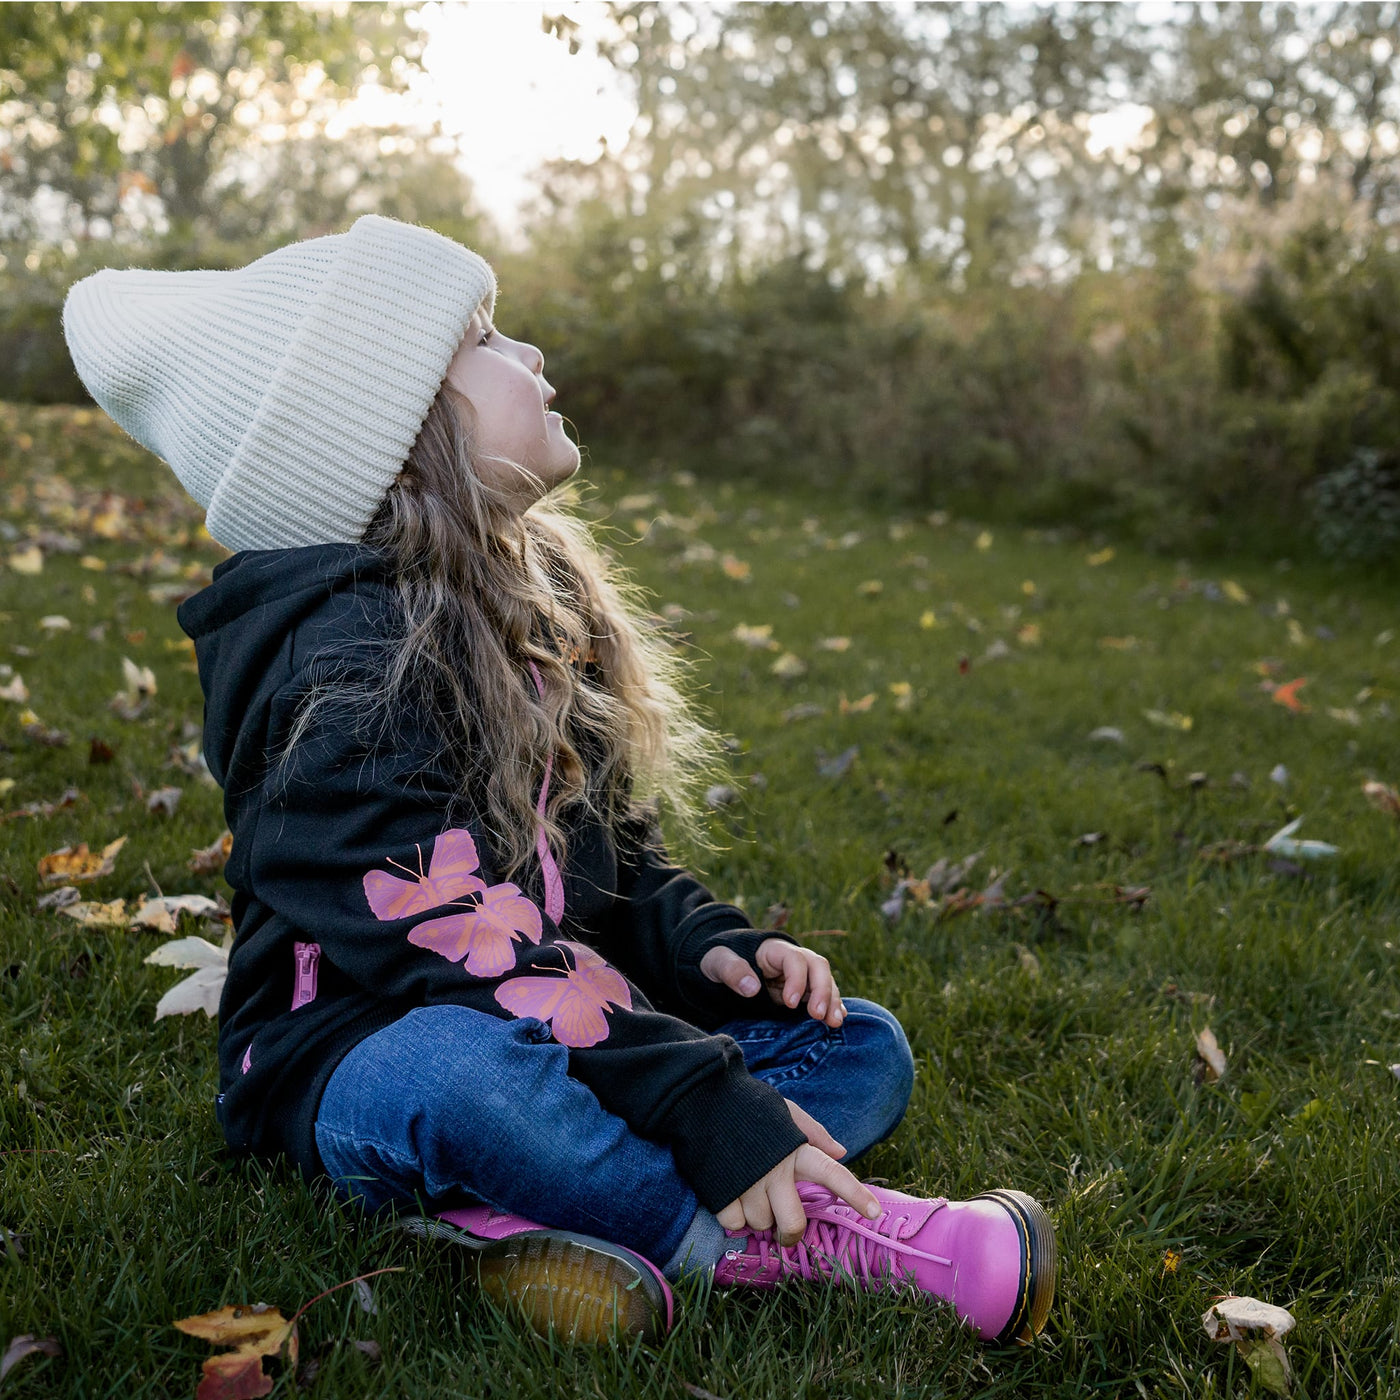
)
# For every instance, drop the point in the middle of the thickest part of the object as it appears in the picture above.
(514, 94)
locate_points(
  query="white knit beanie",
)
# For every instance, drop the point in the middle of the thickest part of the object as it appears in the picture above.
(286, 394)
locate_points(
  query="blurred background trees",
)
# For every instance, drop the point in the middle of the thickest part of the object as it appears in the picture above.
(1111, 266)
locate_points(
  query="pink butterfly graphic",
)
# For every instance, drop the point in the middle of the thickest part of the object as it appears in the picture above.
(449, 877)
(575, 1003)
(484, 932)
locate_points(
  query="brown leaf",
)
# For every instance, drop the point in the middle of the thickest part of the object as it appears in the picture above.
(857, 707)
(1383, 798)
(100, 752)
(1211, 1055)
(163, 801)
(78, 863)
(37, 732)
(160, 914)
(212, 859)
(253, 1332)
(70, 797)
(27, 1345)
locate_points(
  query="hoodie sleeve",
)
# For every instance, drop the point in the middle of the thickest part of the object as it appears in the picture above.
(356, 848)
(662, 924)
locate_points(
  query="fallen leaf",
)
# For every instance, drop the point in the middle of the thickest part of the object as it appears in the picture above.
(201, 990)
(27, 1345)
(91, 914)
(55, 622)
(1030, 964)
(857, 707)
(1107, 734)
(161, 914)
(984, 540)
(1281, 843)
(804, 711)
(927, 619)
(1345, 714)
(16, 691)
(1169, 719)
(871, 588)
(1296, 635)
(838, 767)
(1171, 1262)
(100, 752)
(998, 651)
(163, 801)
(1029, 634)
(735, 568)
(1278, 774)
(130, 702)
(834, 644)
(70, 798)
(1287, 695)
(1101, 557)
(59, 898)
(37, 732)
(1256, 1330)
(1383, 798)
(758, 637)
(254, 1333)
(1234, 592)
(789, 666)
(903, 693)
(1119, 643)
(1211, 1055)
(79, 863)
(28, 561)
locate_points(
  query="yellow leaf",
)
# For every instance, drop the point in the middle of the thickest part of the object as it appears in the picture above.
(1103, 556)
(1234, 592)
(1118, 643)
(927, 620)
(28, 561)
(857, 707)
(91, 561)
(834, 643)
(253, 1333)
(1028, 588)
(1169, 719)
(78, 863)
(903, 693)
(734, 568)
(1029, 635)
(870, 588)
(1296, 635)
(758, 637)
(91, 914)
(789, 666)
(984, 540)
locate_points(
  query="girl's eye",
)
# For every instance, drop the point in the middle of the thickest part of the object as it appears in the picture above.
(485, 336)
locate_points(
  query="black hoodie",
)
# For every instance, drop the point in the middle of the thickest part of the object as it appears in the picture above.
(356, 900)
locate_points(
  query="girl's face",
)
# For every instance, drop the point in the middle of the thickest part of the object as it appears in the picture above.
(504, 381)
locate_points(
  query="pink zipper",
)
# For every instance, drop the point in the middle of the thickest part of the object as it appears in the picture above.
(553, 882)
(308, 955)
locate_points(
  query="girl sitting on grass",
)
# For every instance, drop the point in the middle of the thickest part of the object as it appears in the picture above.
(467, 982)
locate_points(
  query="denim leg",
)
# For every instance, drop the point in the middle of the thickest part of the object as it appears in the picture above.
(855, 1080)
(450, 1103)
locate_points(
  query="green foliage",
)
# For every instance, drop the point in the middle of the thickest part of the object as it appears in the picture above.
(1073, 1081)
(1358, 509)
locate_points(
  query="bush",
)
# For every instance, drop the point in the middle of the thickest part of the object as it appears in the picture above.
(1357, 509)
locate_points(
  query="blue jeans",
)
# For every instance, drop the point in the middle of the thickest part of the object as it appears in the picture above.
(450, 1104)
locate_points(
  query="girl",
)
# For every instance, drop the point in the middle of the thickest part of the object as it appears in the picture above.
(466, 976)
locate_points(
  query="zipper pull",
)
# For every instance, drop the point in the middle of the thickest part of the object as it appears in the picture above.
(308, 955)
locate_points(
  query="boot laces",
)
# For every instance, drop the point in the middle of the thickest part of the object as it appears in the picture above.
(838, 1241)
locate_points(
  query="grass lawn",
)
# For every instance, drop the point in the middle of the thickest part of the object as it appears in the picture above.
(1055, 1034)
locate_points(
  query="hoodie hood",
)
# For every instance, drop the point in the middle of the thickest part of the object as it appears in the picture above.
(264, 615)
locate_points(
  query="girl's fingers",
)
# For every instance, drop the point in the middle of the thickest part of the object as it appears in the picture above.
(840, 1181)
(794, 977)
(790, 1219)
(732, 1216)
(820, 989)
(725, 965)
(817, 1135)
(758, 1213)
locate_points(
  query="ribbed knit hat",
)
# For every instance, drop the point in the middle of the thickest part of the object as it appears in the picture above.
(285, 394)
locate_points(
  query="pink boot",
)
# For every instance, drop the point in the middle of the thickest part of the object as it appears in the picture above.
(992, 1257)
(581, 1286)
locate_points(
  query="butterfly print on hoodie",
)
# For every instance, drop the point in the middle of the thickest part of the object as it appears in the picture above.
(486, 929)
(575, 1004)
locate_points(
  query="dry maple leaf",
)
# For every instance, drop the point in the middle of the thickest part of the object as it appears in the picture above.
(253, 1332)
(856, 707)
(212, 859)
(16, 691)
(79, 863)
(1256, 1329)
(91, 914)
(1383, 798)
(789, 666)
(27, 1345)
(37, 732)
(1287, 695)
(1212, 1057)
(160, 914)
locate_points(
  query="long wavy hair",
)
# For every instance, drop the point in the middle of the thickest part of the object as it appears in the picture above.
(489, 597)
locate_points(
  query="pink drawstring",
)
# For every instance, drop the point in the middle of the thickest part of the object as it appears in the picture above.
(553, 884)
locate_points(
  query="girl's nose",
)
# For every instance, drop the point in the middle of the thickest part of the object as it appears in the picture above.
(534, 357)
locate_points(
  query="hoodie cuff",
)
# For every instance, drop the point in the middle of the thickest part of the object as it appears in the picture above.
(727, 1132)
(713, 1003)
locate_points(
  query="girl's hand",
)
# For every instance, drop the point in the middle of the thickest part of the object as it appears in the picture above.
(772, 1202)
(789, 972)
